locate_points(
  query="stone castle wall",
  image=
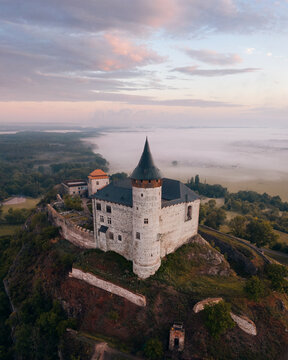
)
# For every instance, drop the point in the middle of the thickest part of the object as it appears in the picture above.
(121, 224)
(75, 234)
(175, 228)
(93, 280)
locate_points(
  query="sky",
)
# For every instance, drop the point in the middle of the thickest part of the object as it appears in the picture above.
(141, 63)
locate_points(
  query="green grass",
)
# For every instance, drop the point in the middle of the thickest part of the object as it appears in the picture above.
(8, 229)
(178, 270)
(28, 204)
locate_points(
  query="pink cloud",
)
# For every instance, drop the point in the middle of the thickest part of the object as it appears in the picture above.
(121, 53)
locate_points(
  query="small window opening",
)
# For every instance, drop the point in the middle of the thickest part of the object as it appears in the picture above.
(98, 206)
(119, 237)
(101, 218)
(109, 220)
(141, 195)
(97, 182)
(176, 343)
(108, 209)
(145, 221)
(111, 236)
(189, 213)
(138, 235)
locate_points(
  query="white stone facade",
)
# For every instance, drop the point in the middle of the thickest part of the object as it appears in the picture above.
(95, 184)
(145, 232)
(119, 223)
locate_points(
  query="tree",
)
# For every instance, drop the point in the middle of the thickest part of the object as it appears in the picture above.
(153, 349)
(277, 273)
(73, 203)
(215, 218)
(260, 232)
(218, 319)
(255, 288)
(238, 226)
(197, 181)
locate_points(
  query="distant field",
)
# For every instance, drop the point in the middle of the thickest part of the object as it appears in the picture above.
(8, 229)
(283, 237)
(28, 204)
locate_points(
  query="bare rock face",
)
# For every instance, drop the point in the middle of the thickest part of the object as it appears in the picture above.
(245, 324)
(209, 301)
(217, 263)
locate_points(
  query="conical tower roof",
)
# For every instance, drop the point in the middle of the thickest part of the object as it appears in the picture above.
(146, 170)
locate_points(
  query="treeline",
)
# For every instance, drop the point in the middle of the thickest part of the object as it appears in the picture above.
(31, 163)
(212, 191)
(247, 203)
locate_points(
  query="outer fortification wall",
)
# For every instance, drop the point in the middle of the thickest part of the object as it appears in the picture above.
(75, 234)
(93, 280)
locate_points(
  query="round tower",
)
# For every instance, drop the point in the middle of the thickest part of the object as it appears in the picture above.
(146, 193)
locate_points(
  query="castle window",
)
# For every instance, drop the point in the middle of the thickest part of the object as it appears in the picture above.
(101, 218)
(145, 221)
(111, 236)
(108, 209)
(109, 220)
(119, 238)
(141, 195)
(189, 213)
(98, 206)
(97, 182)
(138, 235)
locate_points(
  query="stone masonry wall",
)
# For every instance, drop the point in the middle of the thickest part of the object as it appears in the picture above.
(71, 232)
(93, 280)
(119, 222)
(175, 230)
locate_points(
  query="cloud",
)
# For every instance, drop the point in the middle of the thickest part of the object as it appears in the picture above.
(195, 71)
(213, 57)
(138, 16)
(148, 100)
(49, 65)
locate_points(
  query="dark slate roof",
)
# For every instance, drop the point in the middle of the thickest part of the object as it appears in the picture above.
(119, 192)
(173, 192)
(146, 169)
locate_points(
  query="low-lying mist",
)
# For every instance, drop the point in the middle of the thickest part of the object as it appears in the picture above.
(240, 158)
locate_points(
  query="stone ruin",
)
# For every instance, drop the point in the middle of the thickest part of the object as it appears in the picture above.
(177, 337)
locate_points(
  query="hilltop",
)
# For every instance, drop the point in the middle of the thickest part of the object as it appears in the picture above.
(194, 272)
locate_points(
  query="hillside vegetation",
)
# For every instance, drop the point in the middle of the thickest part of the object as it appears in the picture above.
(36, 263)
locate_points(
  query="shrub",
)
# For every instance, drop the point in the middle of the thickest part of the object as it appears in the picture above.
(255, 288)
(153, 349)
(218, 319)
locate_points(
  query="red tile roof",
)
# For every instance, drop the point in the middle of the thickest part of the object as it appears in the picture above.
(98, 174)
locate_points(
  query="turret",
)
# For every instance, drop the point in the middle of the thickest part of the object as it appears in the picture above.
(146, 193)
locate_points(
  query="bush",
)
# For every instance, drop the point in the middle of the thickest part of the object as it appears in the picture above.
(255, 288)
(153, 349)
(218, 319)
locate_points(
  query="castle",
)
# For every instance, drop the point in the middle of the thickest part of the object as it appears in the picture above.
(145, 217)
